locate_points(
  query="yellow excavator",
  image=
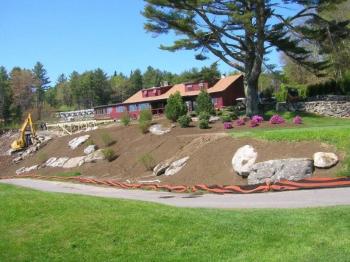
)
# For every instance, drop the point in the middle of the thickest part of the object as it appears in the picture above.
(26, 138)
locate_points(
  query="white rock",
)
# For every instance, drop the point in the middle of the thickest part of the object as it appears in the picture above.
(244, 159)
(59, 162)
(158, 130)
(213, 119)
(20, 170)
(325, 159)
(26, 169)
(74, 162)
(90, 149)
(97, 155)
(160, 168)
(50, 161)
(75, 142)
(176, 166)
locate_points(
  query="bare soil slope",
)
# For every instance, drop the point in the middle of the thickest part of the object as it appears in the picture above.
(210, 152)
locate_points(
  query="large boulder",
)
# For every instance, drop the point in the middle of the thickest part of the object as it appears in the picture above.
(160, 168)
(243, 160)
(275, 170)
(325, 159)
(176, 166)
(158, 130)
(75, 142)
(89, 149)
(74, 162)
(93, 157)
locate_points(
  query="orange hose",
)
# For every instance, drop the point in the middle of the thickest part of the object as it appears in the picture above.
(282, 185)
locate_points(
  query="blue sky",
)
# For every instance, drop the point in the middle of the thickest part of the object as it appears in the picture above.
(67, 35)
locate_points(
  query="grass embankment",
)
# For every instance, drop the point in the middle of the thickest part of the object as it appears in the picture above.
(38, 226)
(333, 131)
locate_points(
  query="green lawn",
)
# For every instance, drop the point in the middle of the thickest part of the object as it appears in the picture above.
(324, 129)
(38, 226)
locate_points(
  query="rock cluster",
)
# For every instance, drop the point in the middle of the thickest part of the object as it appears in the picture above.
(243, 163)
(65, 162)
(41, 141)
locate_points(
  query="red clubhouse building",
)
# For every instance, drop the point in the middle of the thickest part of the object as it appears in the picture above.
(223, 93)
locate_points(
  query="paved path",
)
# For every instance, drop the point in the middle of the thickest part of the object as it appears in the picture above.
(290, 199)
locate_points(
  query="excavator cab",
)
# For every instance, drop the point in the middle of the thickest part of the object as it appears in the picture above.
(27, 135)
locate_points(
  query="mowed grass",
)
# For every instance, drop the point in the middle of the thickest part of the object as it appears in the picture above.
(38, 226)
(333, 131)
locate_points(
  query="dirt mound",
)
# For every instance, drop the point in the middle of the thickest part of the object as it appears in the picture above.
(210, 154)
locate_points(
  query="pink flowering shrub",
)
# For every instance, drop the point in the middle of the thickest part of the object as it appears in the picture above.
(297, 120)
(240, 122)
(254, 123)
(257, 119)
(227, 125)
(276, 119)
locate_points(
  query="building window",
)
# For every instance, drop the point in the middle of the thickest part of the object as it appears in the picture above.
(120, 109)
(109, 110)
(132, 108)
(144, 106)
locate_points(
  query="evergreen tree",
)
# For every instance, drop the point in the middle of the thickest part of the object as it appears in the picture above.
(240, 32)
(152, 77)
(5, 96)
(175, 107)
(101, 86)
(119, 85)
(136, 82)
(204, 104)
(41, 85)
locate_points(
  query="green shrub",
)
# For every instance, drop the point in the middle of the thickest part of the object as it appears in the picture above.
(107, 139)
(204, 104)
(145, 120)
(147, 161)
(203, 124)
(204, 116)
(145, 115)
(109, 154)
(184, 121)
(175, 107)
(330, 87)
(125, 119)
(281, 94)
(226, 118)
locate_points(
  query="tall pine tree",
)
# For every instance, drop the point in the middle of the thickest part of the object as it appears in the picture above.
(240, 32)
(41, 84)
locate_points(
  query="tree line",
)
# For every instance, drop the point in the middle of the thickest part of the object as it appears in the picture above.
(23, 90)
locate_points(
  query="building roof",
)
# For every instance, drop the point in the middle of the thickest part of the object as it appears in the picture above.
(220, 86)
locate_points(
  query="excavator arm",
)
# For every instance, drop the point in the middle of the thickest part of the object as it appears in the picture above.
(21, 142)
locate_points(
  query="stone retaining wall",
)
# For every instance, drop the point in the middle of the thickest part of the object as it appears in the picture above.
(335, 106)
